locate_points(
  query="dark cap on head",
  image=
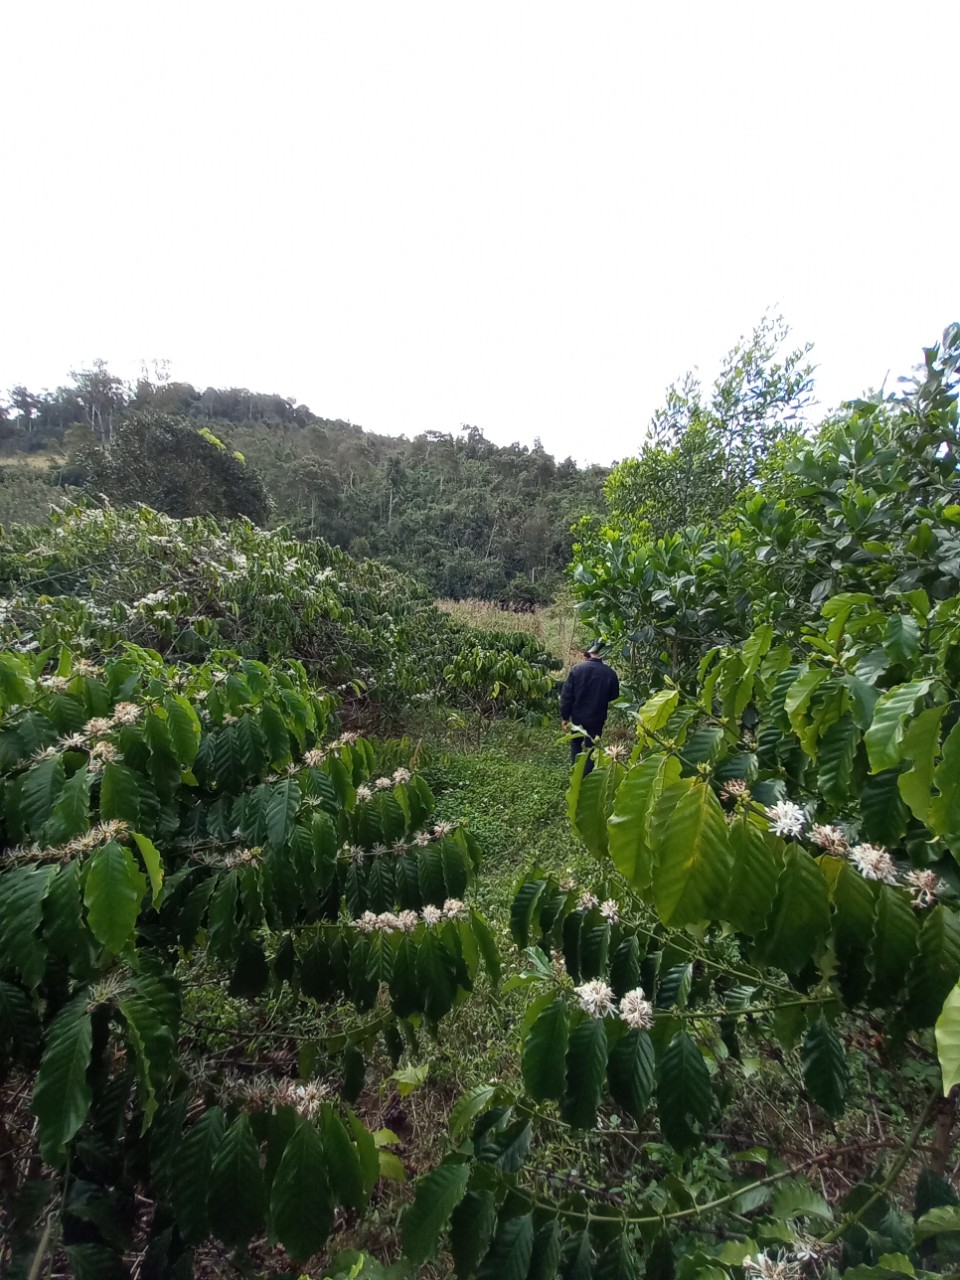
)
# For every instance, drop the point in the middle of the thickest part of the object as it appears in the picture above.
(595, 649)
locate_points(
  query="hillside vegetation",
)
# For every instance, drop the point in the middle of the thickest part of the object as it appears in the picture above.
(464, 516)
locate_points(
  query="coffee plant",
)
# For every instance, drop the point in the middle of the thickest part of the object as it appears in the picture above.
(97, 578)
(172, 828)
(760, 888)
(502, 673)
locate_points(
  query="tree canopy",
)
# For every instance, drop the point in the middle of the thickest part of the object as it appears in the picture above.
(703, 448)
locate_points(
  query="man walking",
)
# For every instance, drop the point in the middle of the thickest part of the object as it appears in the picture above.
(587, 693)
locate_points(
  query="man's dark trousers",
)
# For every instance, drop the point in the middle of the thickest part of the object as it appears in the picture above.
(576, 746)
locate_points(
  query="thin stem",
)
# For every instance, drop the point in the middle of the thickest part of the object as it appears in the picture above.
(678, 1214)
(672, 748)
(694, 1014)
(894, 1173)
(362, 1031)
(42, 1248)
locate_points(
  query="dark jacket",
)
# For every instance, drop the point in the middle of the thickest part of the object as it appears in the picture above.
(587, 693)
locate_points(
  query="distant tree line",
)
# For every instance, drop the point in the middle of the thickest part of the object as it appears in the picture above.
(467, 517)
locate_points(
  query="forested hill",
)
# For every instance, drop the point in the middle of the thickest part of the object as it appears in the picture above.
(465, 516)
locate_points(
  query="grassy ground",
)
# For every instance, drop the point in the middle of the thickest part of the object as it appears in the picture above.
(510, 790)
(33, 461)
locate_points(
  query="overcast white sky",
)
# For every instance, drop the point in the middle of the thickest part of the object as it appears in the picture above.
(524, 216)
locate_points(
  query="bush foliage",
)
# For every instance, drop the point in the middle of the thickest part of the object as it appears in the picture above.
(192, 589)
(872, 507)
(154, 814)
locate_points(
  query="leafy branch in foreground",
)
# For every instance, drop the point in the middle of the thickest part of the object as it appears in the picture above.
(778, 881)
(733, 922)
(154, 817)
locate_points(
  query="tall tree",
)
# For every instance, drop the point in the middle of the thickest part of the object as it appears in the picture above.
(705, 447)
(26, 405)
(101, 394)
(166, 463)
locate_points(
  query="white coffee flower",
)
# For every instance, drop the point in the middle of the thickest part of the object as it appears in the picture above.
(388, 921)
(431, 914)
(103, 753)
(874, 863)
(127, 713)
(453, 909)
(112, 829)
(595, 998)
(367, 922)
(777, 1267)
(56, 684)
(925, 887)
(610, 910)
(364, 793)
(306, 1098)
(384, 784)
(830, 839)
(808, 1249)
(154, 597)
(734, 789)
(401, 775)
(423, 838)
(786, 818)
(587, 901)
(314, 758)
(408, 921)
(97, 727)
(107, 990)
(636, 1010)
(86, 841)
(241, 857)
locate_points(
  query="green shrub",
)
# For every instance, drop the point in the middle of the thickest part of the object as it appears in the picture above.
(874, 505)
(191, 589)
(167, 825)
